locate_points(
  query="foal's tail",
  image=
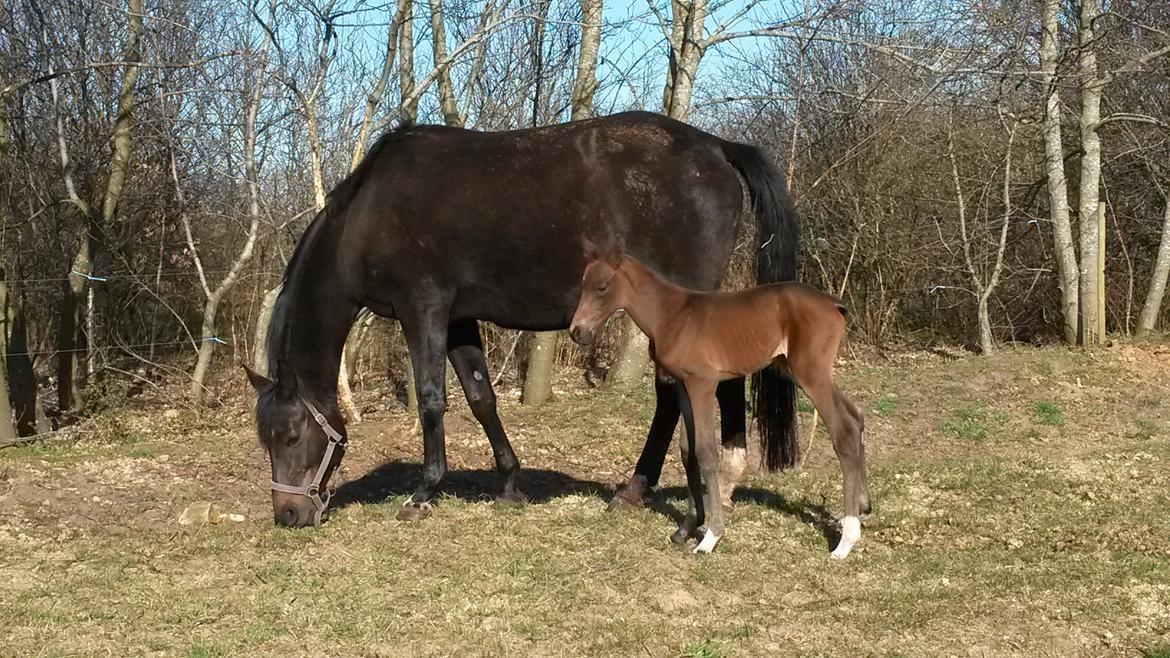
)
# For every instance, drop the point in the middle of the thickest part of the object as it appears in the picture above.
(773, 392)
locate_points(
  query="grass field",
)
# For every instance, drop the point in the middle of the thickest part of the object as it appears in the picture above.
(1022, 508)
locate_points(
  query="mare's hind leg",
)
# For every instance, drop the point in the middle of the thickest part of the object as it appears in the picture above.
(733, 428)
(843, 421)
(426, 336)
(465, 349)
(733, 413)
(649, 467)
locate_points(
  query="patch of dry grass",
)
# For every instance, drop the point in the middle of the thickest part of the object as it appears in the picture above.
(1038, 539)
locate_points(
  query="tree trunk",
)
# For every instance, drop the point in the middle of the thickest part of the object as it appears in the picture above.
(1066, 257)
(986, 338)
(1091, 234)
(260, 341)
(542, 358)
(690, 53)
(1153, 304)
(687, 50)
(22, 381)
(68, 342)
(119, 166)
(447, 102)
(633, 357)
(542, 355)
(206, 349)
(208, 336)
(406, 65)
(375, 95)
(7, 428)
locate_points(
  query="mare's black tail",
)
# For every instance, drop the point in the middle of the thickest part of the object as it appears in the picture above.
(773, 396)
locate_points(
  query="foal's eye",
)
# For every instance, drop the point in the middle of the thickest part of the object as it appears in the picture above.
(603, 288)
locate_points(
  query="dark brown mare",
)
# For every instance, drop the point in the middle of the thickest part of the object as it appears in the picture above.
(442, 227)
(704, 338)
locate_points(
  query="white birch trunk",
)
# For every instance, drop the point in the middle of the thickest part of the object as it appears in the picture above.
(1066, 257)
(1153, 304)
(543, 353)
(1091, 234)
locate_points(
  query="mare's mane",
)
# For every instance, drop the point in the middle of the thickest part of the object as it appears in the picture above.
(339, 198)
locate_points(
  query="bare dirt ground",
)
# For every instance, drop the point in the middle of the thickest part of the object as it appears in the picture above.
(1021, 502)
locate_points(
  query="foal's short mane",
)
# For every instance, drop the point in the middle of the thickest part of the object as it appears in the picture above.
(338, 199)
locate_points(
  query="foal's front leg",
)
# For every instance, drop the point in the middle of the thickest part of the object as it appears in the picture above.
(706, 447)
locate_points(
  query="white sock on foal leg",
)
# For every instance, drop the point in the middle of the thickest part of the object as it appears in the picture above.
(850, 534)
(708, 543)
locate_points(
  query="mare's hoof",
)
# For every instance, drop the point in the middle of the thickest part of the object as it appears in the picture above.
(513, 499)
(622, 501)
(629, 496)
(728, 504)
(681, 536)
(413, 511)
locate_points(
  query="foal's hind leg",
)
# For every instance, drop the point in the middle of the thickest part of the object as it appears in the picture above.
(859, 417)
(845, 429)
(465, 349)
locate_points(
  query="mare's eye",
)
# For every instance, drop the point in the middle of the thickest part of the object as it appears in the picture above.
(292, 440)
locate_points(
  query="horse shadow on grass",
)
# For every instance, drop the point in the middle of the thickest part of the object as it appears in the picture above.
(813, 514)
(398, 478)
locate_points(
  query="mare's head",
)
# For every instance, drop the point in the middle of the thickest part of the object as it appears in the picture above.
(305, 440)
(603, 291)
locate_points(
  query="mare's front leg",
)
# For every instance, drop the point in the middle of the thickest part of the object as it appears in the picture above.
(649, 467)
(701, 393)
(465, 348)
(426, 337)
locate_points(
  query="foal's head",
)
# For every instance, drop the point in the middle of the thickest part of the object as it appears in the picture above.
(297, 443)
(602, 293)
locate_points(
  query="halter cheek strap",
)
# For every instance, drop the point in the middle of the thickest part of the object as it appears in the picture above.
(313, 491)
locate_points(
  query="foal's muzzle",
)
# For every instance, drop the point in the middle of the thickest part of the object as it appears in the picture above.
(581, 335)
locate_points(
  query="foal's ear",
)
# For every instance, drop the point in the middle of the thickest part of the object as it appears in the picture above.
(616, 253)
(257, 380)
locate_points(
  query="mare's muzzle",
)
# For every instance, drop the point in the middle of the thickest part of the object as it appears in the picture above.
(289, 514)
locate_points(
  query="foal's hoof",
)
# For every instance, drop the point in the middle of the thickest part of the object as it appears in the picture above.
(512, 499)
(707, 544)
(413, 511)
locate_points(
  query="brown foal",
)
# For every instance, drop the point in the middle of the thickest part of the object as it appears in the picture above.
(703, 338)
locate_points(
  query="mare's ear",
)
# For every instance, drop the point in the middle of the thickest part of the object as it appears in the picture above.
(286, 379)
(257, 380)
(591, 250)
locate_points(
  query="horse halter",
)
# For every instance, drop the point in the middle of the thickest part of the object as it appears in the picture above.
(313, 491)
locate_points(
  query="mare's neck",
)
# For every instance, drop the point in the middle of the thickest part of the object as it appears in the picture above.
(310, 324)
(652, 301)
